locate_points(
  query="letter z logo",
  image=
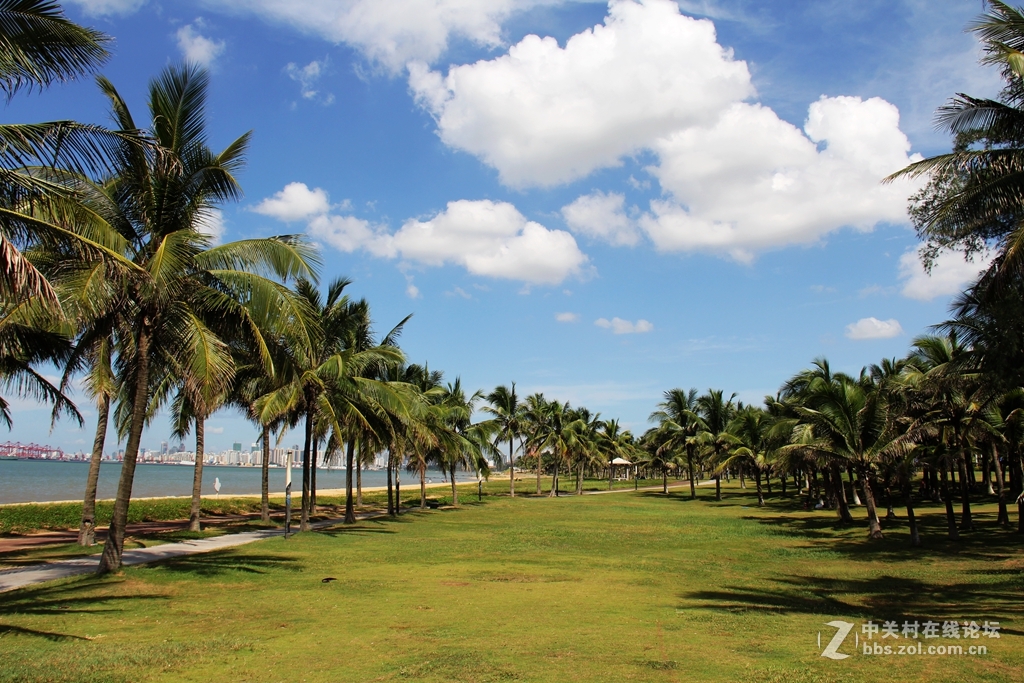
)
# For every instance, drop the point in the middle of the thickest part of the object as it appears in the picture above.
(831, 650)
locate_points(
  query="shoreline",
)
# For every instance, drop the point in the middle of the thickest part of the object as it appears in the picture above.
(228, 496)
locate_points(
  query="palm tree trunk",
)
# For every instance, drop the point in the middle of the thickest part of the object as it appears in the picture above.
(611, 475)
(304, 522)
(915, 536)
(455, 491)
(986, 474)
(314, 457)
(554, 481)
(760, 495)
(947, 497)
(511, 471)
(398, 487)
(391, 497)
(842, 508)
(350, 450)
(1003, 519)
(693, 484)
(664, 480)
(197, 475)
(265, 478)
(853, 487)
(538, 471)
(743, 479)
(114, 546)
(718, 487)
(423, 486)
(874, 526)
(359, 480)
(966, 519)
(87, 528)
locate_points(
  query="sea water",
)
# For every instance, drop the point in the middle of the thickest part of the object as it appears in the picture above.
(27, 481)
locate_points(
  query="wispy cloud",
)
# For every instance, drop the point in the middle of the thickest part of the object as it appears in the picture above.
(620, 326)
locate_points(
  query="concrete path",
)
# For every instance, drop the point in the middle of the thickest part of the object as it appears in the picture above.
(11, 579)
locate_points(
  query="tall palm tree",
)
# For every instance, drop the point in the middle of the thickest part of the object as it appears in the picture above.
(327, 381)
(677, 416)
(752, 426)
(714, 439)
(535, 411)
(507, 421)
(165, 307)
(849, 423)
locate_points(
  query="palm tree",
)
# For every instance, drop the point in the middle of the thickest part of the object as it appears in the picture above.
(714, 439)
(752, 426)
(534, 418)
(849, 423)
(507, 423)
(38, 47)
(677, 415)
(327, 382)
(974, 195)
(558, 435)
(164, 308)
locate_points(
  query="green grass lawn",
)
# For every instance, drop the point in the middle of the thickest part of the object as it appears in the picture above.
(624, 587)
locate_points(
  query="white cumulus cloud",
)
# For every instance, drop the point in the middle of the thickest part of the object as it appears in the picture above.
(567, 317)
(543, 114)
(295, 202)
(197, 48)
(950, 273)
(492, 239)
(873, 328)
(486, 238)
(620, 326)
(753, 181)
(601, 216)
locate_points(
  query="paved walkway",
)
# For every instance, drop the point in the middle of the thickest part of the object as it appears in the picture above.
(11, 579)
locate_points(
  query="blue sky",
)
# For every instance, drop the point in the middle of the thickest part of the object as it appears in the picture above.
(597, 201)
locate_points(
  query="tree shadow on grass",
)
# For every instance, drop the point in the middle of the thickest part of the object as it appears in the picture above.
(75, 596)
(222, 562)
(989, 541)
(878, 598)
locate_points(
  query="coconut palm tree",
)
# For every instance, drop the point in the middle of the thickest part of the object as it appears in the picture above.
(163, 309)
(39, 46)
(328, 382)
(849, 423)
(535, 412)
(677, 415)
(714, 440)
(975, 195)
(507, 423)
(752, 427)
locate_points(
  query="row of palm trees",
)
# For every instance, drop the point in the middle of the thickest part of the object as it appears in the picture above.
(922, 424)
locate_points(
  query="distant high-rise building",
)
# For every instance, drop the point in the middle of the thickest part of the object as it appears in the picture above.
(163, 447)
(237, 446)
